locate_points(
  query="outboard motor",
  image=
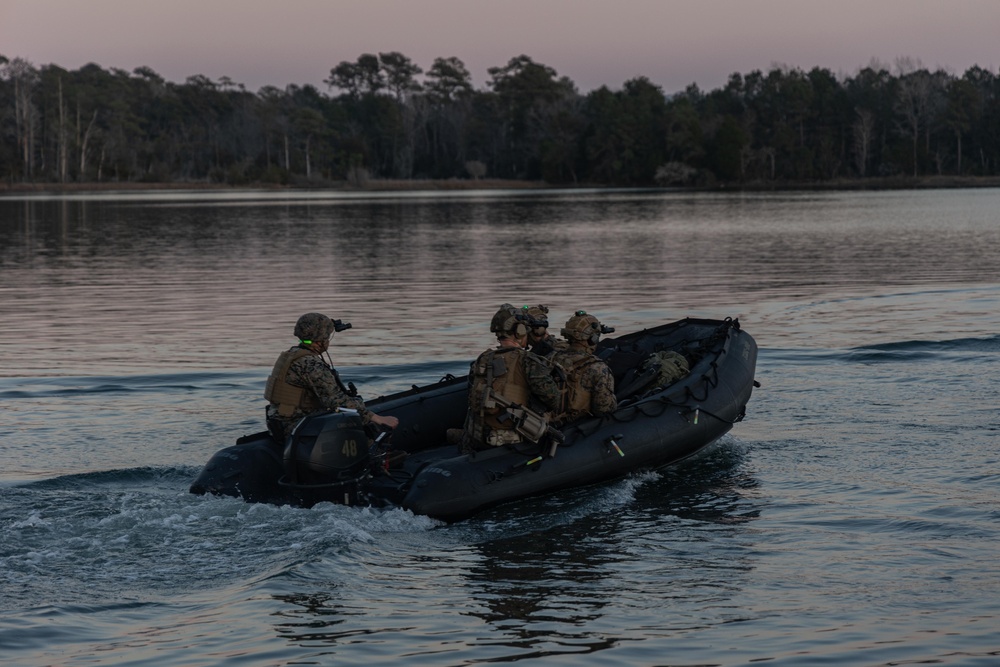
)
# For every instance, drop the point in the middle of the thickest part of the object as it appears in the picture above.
(326, 459)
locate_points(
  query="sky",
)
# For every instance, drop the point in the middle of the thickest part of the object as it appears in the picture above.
(593, 42)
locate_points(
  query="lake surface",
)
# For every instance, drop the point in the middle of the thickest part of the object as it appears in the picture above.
(852, 519)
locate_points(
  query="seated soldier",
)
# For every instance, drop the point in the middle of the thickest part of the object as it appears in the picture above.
(590, 385)
(302, 383)
(503, 376)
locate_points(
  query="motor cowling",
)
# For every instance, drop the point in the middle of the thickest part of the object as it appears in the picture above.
(326, 450)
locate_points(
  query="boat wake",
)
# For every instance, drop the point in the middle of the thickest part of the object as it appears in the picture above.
(956, 349)
(960, 348)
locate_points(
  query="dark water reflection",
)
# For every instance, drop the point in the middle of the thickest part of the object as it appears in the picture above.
(851, 519)
(196, 281)
(579, 573)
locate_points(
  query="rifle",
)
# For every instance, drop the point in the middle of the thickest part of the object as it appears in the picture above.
(527, 422)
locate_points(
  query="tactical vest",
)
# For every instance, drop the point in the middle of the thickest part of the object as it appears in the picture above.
(288, 397)
(496, 372)
(577, 396)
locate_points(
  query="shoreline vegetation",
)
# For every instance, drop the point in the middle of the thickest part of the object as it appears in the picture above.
(444, 185)
(384, 123)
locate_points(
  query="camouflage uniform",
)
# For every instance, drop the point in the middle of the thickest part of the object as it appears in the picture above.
(513, 373)
(590, 385)
(323, 382)
(320, 385)
(548, 346)
(483, 429)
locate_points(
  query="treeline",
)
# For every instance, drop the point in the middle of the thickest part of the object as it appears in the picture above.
(384, 117)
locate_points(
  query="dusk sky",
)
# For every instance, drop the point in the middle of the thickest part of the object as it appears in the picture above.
(594, 43)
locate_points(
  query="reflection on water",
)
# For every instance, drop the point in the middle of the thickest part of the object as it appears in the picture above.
(851, 519)
(166, 282)
(576, 573)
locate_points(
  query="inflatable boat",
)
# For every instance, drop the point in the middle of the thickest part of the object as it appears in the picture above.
(332, 458)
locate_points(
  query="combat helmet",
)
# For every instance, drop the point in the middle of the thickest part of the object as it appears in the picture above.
(582, 327)
(538, 316)
(509, 321)
(313, 327)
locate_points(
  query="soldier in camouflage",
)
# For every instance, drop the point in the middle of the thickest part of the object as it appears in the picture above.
(540, 341)
(590, 386)
(302, 383)
(513, 374)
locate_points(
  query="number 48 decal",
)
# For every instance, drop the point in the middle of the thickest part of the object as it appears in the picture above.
(350, 448)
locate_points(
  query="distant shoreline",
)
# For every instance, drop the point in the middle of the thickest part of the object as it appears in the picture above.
(854, 184)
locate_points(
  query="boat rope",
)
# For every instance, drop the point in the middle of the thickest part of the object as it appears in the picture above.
(711, 382)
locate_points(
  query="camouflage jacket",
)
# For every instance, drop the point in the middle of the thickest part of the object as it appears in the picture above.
(548, 346)
(312, 373)
(529, 383)
(543, 386)
(590, 386)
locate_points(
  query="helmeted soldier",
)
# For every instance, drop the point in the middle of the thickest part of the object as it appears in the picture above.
(540, 341)
(504, 376)
(302, 383)
(590, 385)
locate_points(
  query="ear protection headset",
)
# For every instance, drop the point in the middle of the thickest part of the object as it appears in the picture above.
(515, 326)
(592, 332)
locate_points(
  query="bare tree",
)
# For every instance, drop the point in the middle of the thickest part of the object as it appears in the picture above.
(962, 107)
(63, 150)
(309, 123)
(864, 132)
(84, 140)
(913, 103)
(25, 78)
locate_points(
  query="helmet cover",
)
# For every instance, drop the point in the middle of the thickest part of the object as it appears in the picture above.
(582, 327)
(538, 316)
(313, 326)
(506, 319)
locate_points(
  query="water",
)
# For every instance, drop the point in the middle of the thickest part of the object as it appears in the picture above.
(852, 519)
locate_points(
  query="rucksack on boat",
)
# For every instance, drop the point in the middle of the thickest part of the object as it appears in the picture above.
(672, 366)
(657, 370)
